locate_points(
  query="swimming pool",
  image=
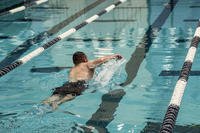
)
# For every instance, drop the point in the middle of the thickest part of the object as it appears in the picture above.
(138, 106)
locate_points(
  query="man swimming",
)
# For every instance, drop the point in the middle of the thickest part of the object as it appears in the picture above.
(82, 71)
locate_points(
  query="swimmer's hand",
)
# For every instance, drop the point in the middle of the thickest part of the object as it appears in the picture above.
(118, 56)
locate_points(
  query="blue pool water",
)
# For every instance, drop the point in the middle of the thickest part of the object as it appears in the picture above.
(136, 107)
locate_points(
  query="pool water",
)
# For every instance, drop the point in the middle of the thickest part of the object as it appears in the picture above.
(135, 107)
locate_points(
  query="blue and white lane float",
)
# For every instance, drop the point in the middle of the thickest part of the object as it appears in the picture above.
(174, 105)
(39, 50)
(21, 8)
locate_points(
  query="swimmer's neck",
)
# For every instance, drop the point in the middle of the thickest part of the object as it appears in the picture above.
(76, 80)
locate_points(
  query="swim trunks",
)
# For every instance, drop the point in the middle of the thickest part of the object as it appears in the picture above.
(74, 88)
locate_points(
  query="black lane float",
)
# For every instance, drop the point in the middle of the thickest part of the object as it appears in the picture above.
(39, 50)
(174, 105)
(20, 7)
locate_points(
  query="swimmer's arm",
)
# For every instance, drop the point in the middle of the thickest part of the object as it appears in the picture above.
(99, 61)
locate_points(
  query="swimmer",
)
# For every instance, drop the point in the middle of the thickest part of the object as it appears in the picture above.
(82, 71)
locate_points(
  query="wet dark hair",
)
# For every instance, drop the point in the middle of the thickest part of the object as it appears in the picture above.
(79, 57)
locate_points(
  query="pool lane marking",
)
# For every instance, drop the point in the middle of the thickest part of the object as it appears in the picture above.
(153, 127)
(48, 69)
(56, 28)
(157, 24)
(50, 8)
(22, 20)
(190, 20)
(117, 20)
(195, 6)
(6, 37)
(39, 50)
(94, 39)
(110, 101)
(17, 52)
(177, 73)
(131, 7)
(22, 7)
(174, 105)
(133, 65)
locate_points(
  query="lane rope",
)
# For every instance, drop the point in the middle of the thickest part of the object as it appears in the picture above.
(25, 46)
(174, 105)
(41, 49)
(22, 7)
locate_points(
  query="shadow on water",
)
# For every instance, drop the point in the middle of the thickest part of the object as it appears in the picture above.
(142, 49)
(110, 101)
(105, 113)
(48, 69)
(21, 49)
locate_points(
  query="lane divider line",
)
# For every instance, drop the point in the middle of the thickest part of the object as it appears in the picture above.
(174, 105)
(95, 120)
(133, 65)
(22, 48)
(22, 7)
(39, 50)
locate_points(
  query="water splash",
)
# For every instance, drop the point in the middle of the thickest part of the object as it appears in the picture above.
(104, 74)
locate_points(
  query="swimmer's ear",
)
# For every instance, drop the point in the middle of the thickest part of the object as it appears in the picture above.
(85, 60)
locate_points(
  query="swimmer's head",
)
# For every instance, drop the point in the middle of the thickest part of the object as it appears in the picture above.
(79, 57)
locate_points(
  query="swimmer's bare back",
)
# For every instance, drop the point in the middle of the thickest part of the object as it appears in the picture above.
(85, 71)
(80, 72)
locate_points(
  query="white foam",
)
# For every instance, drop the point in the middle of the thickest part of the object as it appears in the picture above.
(107, 72)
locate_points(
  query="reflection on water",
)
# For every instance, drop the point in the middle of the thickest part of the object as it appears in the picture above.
(40, 116)
(105, 113)
(25, 46)
(155, 49)
(142, 49)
